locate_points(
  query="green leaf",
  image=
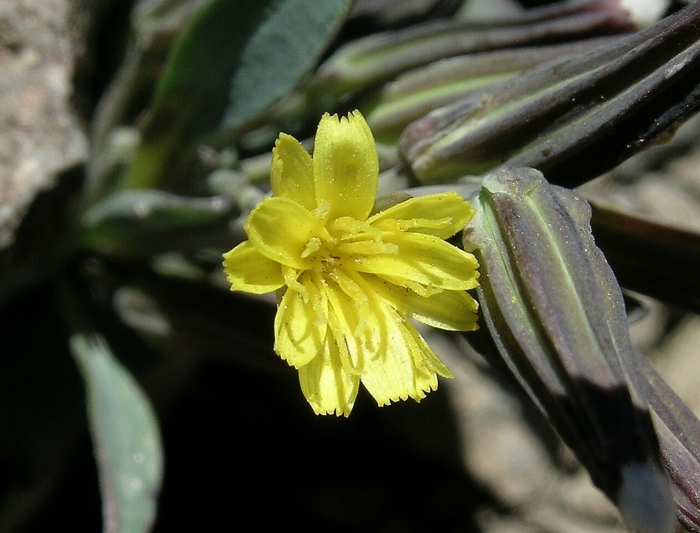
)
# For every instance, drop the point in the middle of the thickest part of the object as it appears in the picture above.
(144, 222)
(380, 57)
(571, 118)
(125, 435)
(234, 60)
(648, 256)
(419, 91)
(679, 435)
(280, 52)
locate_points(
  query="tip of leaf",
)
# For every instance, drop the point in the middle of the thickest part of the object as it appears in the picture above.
(645, 499)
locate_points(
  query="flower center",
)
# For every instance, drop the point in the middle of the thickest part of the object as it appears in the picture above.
(322, 254)
(347, 238)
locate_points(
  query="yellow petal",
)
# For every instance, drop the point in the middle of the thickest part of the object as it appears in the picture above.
(441, 215)
(422, 259)
(282, 230)
(300, 332)
(346, 167)
(427, 356)
(327, 386)
(248, 270)
(450, 310)
(344, 321)
(292, 174)
(399, 371)
(352, 312)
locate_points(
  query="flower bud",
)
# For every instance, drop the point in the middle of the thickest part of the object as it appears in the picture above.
(557, 319)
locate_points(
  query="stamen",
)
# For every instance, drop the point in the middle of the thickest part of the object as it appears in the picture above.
(291, 276)
(313, 246)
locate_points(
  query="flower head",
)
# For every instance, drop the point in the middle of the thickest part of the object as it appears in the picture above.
(351, 279)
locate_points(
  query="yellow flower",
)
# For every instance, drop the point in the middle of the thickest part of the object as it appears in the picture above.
(350, 279)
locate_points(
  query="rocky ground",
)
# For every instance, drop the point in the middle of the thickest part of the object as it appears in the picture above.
(40, 133)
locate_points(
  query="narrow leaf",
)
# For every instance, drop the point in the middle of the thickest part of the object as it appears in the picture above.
(679, 433)
(125, 436)
(234, 60)
(419, 91)
(380, 57)
(280, 52)
(648, 256)
(571, 118)
(144, 222)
